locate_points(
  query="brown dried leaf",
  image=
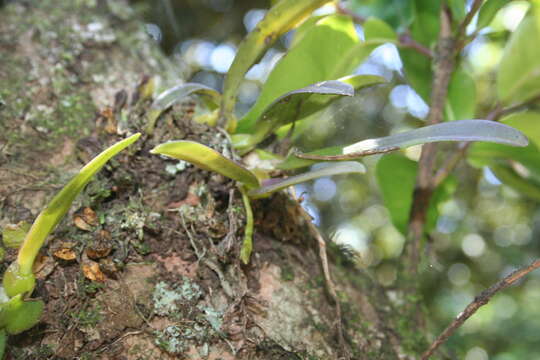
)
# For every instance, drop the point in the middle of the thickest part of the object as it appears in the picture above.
(92, 271)
(65, 254)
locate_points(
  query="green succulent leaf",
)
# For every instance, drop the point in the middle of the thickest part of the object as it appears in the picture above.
(518, 78)
(272, 185)
(316, 57)
(208, 159)
(247, 243)
(177, 94)
(293, 106)
(488, 11)
(18, 315)
(282, 17)
(461, 130)
(53, 213)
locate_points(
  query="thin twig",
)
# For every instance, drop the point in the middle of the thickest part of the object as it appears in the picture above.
(478, 302)
(444, 62)
(468, 18)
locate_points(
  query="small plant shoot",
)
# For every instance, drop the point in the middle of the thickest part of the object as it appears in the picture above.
(16, 313)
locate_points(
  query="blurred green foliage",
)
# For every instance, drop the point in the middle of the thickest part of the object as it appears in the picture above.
(485, 228)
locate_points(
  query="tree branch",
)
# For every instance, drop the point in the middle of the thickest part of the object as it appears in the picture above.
(422, 194)
(479, 301)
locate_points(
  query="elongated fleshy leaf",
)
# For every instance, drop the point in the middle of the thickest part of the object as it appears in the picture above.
(273, 185)
(208, 159)
(281, 18)
(176, 94)
(293, 106)
(247, 243)
(358, 82)
(51, 215)
(461, 130)
(24, 317)
(316, 57)
(518, 78)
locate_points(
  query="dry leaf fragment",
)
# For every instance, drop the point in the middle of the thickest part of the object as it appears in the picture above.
(65, 254)
(85, 219)
(92, 271)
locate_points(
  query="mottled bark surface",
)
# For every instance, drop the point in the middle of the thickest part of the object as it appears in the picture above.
(145, 266)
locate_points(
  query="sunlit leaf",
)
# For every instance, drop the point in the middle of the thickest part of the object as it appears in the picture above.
(518, 78)
(396, 176)
(281, 18)
(461, 102)
(488, 11)
(377, 29)
(208, 159)
(293, 106)
(52, 214)
(273, 185)
(177, 94)
(461, 130)
(312, 60)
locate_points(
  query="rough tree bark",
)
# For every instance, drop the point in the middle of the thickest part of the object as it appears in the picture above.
(160, 244)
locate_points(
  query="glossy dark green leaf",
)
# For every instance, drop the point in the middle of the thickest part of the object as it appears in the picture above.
(377, 29)
(508, 176)
(396, 176)
(272, 185)
(488, 11)
(461, 102)
(282, 17)
(425, 30)
(312, 60)
(518, 78)
(177, 94)
(501, 156)
(208, 159)
(458, 9)
(397, 13)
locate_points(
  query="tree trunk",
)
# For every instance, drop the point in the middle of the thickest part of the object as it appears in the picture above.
(146, 264)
